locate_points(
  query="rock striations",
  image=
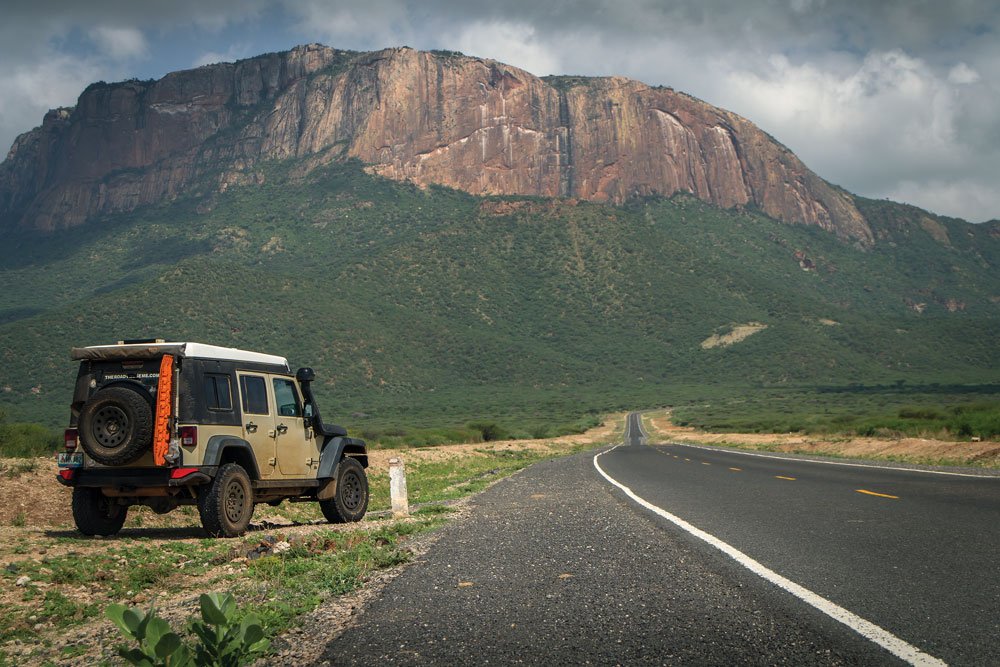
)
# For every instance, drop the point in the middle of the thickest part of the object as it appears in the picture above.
(430, 118)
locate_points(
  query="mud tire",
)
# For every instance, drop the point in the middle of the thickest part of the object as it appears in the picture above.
(350, 501)
(226, 505)
(97, 514)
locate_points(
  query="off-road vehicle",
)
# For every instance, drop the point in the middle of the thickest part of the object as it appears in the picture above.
(168, 424)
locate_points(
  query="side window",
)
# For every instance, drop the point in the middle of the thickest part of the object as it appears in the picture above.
(286, 398)
(218, 393)
(254, 391)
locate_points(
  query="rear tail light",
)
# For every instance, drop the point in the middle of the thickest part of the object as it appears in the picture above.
(67, 474)
(189, 436)
(71, 439)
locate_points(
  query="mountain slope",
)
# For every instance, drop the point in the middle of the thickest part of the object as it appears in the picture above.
(430, 118)
(433, 306)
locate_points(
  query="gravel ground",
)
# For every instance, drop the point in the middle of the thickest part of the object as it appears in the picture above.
(551, 566)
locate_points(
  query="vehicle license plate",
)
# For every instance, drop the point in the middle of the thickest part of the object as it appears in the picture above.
(69, 459)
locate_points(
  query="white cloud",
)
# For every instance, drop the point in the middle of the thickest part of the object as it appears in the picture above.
(889, 128)
(511, 43)
(119, 43)
(374, 24)
(965, 198)
(28, 91)
(232, 54)
(962, 74)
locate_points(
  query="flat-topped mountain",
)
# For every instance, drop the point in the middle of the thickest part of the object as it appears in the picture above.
(427, 117)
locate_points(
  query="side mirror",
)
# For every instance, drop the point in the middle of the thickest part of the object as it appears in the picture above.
(308, 411)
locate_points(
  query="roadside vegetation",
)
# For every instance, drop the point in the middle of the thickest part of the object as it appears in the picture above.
(55, 586)
(928, 411)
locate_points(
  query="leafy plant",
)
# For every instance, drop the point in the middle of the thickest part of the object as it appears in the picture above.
(223, 641)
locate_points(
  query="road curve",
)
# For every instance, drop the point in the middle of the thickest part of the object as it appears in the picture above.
(555, 566)
(916, 553)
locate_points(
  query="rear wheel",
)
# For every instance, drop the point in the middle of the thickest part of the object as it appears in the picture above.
(97, 514)
(227, 504)
(350, 501)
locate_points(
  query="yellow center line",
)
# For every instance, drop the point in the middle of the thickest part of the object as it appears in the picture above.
(736, 469)
(880, 495)
(790, 479)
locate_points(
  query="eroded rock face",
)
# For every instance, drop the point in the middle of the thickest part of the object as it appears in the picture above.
(472, 124)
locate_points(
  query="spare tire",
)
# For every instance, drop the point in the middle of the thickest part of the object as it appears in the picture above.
(116, 425)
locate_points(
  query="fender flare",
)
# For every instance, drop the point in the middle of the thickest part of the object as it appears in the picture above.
(333, 451)
(219, 444)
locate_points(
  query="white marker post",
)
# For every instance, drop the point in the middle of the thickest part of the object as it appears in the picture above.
(397, 489)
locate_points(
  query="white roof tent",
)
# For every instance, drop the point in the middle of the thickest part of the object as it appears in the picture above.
(151, 350)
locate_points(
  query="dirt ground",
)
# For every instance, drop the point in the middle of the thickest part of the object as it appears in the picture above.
(913, 450)
(31, 497)
(35, 516)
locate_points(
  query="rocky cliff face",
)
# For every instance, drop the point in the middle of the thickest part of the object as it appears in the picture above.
(472, 124)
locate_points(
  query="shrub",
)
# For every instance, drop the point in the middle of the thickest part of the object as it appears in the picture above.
(223, 642)
(490, 431)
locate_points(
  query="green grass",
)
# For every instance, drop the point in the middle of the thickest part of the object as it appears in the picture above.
(279, 587)
(283, 586)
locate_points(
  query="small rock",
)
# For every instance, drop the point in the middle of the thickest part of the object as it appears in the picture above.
(280, 547)
(23, 581)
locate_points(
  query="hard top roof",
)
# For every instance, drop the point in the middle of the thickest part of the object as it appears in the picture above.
(193, 350)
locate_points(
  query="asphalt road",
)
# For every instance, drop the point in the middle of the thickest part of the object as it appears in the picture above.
(557, 565)
(916, 553)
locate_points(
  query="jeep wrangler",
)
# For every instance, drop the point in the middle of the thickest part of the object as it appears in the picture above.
(168, 424)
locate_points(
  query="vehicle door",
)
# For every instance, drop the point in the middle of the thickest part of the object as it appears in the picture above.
(258, 421)
(297, 454)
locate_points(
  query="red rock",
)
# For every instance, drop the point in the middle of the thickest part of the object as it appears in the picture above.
(467, 123)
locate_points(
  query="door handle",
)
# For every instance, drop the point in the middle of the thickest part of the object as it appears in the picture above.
(282, 429)
(251, 427)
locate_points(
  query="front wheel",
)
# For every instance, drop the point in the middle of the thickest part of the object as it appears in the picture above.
(350, 500)
(227, 504)
(97, 514)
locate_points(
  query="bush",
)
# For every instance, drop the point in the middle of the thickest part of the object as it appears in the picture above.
(222, 641)
(490, 431)
(21, 440)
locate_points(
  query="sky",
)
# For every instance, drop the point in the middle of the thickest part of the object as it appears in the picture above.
(892, 99)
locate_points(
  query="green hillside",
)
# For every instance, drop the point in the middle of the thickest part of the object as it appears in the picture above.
(433, 308)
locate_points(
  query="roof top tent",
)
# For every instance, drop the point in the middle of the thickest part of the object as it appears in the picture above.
(155, 349)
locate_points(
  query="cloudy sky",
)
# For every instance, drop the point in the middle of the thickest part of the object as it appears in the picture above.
(887, 98)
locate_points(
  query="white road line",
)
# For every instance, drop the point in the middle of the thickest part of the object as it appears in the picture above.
(634, 417)
(866, 629)
(829, 463)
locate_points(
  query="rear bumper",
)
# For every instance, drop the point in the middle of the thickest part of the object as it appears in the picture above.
(133, 478)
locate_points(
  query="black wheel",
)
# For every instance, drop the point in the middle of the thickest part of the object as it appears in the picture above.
(226, 505)
(95, 513)
(350, 501)
(116, 426)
